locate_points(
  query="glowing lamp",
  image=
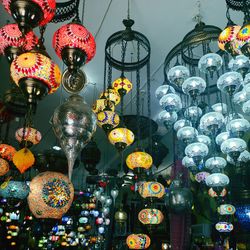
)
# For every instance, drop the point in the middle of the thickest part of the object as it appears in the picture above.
(224, 227)
(121, 138)
(4, 167)
(227, 37)
(35, 74)
(51, 195)
(112, 95)
(150, 216)
(13, 43)
(139, 160)
(7, 152)
(30, 13)
(226, 209)
(28, 136)
(23, 160)
(138, 241)
(108, 120)
(122, 85)
(151, 189)
(214, 194)
(101, 104)
(14, 189)
(243, 36)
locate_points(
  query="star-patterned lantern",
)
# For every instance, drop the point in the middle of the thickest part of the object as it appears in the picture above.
(107, 119)
(122, 85)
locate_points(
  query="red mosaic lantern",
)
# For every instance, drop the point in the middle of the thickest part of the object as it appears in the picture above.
(13, 43)
(7, 152)
(30, 136)
(30, 13)
(4, 167)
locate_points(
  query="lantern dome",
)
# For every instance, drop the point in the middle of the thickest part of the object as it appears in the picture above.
(29, 135)
(122, 85)
(139, 159)
(151, 189)
(150, 216)
(138, 241)
(121, 137)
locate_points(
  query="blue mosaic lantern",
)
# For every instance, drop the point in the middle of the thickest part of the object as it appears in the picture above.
(243, 215)
(14, 189)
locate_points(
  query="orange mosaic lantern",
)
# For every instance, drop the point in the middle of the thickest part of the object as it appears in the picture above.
(23, 159)
(7, 152)
(51, 195)
(138, 241)
(29, 135)
(139, 159)
(151, 189)
(4, 167)
(150, 216)
(122, 85)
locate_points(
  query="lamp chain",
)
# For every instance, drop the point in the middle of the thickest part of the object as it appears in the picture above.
(138, 94)
(128, 9)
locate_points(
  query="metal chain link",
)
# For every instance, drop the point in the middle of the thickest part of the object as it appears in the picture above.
(138, 82)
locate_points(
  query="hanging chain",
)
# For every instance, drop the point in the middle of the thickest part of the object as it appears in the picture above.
(83, 11)
(138, 94)
(109, 72)
(104, 75)
(128, 9)
(149, 107)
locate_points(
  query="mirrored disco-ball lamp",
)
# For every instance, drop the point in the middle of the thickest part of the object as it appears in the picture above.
(243, 159)
(246, 107)
(220, 107)
(163, 90)
(203, 139)
(167, 118)
(240, 64)
(181, 123)
(177, 75)
(210, 63)
(238, 127)
(215, 163)
(217, 180)
(211, 122)
(171, 102)
(189, 163)
(194, 86)
(240, 97)
(187, 134)
(193, 113)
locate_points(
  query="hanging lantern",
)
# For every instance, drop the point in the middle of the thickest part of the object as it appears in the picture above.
(121, 138)
(122, 85)
(36, 75)
(74, 124)
(121, 216)
(112, 95)
(28, 136)
(30, 13)
(226, 209)
(101, 104)
(243, 37)
(150, 216)
(201, 176)
(139, 160)
(23, 159)
(138, 241)
(224, 227)
(13, 43)
(214, 194)
(4, 167)
(151, 189)
(7, 152)
(14, 189)
(51, 195)
(107, 120)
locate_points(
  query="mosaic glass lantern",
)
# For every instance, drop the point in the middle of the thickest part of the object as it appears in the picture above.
(122, 85)
(226, 209)
(28, 136)
(7, 152)
(243, 215)
(210, 63)
(224, 227)
(163, 90)
(23, 160)
(201, 176)
(51, 195)
(112, 95)
(14, 189)
(121, 137)
(187, 134)
(215, 162)
(171, 103)
(240, 64)
(138, 241)
(108, 120)
(100, 104)
(211, 122)
(36, 75)
(150, 216)
(13, 43)
(151, 189)
(30, 13)
(177, 75)
(243, 37)
(217, 180)
(139, 160)
(214, 194)
(4, 167)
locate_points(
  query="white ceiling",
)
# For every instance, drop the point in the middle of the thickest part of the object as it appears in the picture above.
(163, 22)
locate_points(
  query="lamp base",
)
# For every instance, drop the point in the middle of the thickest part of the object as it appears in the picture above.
(120, 146)
(12, 52)
(26, 13)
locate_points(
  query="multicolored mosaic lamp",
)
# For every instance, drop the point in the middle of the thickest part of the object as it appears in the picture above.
(13, 43)
(7, 152)
(51, 195)
(151, 189)
(112, 95)
(226, 209)
(107, 119)
(224, 227)
(102, 103)
(28, 136)
(138, 241)
(36, 75)
(30, 13)
(139, 160)
(14, 189)
(243, 37)
(150, 216)
(122, 85)
(4, 167)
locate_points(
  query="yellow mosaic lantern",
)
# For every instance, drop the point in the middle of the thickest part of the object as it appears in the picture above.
(139, 160)
(112, 95)
(4, 167)
(138, 241)
(151, 189)
(51, 195)
(150, 216)
(122, 85)
(29, 135)
(121, 138)
(23, 159)
(101, 104)
(108, 120)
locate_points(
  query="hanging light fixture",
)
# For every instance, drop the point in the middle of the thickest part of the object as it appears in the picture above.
(138, 241)
(139, 160)
(150, 216)
(151, 189)
(122, 85)
(28, 136)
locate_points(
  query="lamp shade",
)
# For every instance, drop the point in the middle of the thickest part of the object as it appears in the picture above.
(36, 66)
(150, 216)
(163, 90)
(151, 189)
(51, 195)
(107, 119)
(121, 137)
(23, 160)
(178, 74)
(201, 176)
(224, 227)
(4, 167)
(14, 189)
(139, 159)
(122, 85)
(138, 241)
(7, 152)
(171, 102)
(31, 135)
(226, 209)
(194, 86)
(214, 194)
(112, 95)
(217, 180)
(243, 35)
(102, 103)
(193, 113)
(210, 63)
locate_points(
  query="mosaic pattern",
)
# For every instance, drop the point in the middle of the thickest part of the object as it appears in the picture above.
(243, 36)
(108, 118)
(47, 6)
(14, 189)
(23, 159)
(138, 241)
(151, 189)
(7, 152)
(224, 227)
(28, 134)
(74, 35)
(37, 66)
(150, 216)
(122, 84)
(226, 209)
(139, 160)
(123, 135)
(112, 95)
(101, 104)
(213, 194)
(51, 195)
(201, 176)
(242, 214)
(4, 167)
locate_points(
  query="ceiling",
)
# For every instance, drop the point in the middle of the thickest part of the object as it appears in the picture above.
(163, 22)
